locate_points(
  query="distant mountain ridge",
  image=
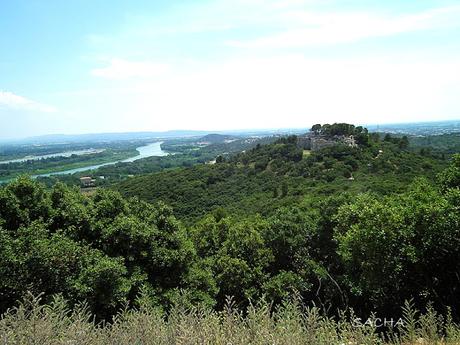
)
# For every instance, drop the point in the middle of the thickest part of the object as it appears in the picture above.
(112, 136)
(415, 128)
(119, 136)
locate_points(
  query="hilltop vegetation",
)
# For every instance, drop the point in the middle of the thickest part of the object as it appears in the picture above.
(266, 177)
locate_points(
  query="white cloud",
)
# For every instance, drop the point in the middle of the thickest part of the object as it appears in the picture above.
(285, 91)
(259, 24)
(13, 101)
(123, 69)
(306, 28)
(259, 88)
(191, 17)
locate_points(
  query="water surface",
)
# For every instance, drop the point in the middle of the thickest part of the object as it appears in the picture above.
(150, 150)
(51, 155)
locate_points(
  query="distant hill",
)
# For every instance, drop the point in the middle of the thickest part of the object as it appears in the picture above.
(218, 138)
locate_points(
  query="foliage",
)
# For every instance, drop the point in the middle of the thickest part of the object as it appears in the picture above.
(412, 240)
(450, 177)
(101, 249)
(359, 227)
(264, 178)
(448, 143)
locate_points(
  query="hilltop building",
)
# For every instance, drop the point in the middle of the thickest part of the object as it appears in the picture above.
(315, 142)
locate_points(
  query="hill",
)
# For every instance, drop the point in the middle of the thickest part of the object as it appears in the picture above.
(440, 144)
(217, 138)
(267, 176)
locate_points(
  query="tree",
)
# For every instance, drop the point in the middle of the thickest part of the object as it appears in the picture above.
(102, 282)
(450, 177)
(284, 189)
(401, 247)
(31, 198)
(316, 128)
(11, 214)
(403, 143)
(289, 237)
(241, 263)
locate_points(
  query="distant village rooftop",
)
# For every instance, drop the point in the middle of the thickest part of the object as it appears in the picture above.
(87, 181)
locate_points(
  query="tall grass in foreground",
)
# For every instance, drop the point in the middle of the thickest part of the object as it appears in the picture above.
(291, 324)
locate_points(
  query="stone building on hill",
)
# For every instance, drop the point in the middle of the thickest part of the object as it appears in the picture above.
(315, 142)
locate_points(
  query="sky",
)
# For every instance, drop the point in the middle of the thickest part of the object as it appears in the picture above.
(88, 66)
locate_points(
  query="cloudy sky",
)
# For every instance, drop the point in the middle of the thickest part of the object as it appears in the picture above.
(109, 65)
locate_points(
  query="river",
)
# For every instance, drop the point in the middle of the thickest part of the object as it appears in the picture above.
(149, 150)
(51, 155)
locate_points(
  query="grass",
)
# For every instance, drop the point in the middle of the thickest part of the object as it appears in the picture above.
(290, 324)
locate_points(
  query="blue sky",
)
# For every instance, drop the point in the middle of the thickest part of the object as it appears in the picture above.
(102, 66)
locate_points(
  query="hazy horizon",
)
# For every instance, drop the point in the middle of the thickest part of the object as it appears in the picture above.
(231, 131)
(222, 65)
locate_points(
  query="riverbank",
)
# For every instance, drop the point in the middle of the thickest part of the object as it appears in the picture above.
(68, 167)
(53, 155)
(93, 163)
